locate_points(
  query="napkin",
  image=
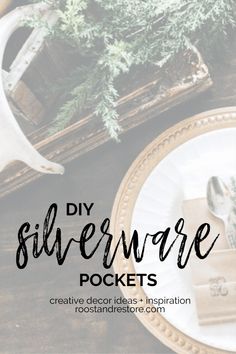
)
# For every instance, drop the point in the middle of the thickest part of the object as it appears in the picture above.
(214, 278)
(215, 287)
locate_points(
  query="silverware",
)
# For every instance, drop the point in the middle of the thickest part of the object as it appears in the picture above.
(231, 228)
(219, 201)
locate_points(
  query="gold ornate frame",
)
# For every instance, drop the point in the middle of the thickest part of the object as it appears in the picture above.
(123, 209)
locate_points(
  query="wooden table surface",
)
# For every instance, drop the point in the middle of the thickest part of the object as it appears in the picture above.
(27, 323)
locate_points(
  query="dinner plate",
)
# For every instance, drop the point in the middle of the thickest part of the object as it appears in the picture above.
(173, 168)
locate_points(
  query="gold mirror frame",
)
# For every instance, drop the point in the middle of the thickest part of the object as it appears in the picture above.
(123, 209)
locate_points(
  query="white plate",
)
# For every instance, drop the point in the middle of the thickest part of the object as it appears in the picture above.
(183, 174)
(174, 167)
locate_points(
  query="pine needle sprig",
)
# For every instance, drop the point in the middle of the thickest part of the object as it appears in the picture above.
(118, 35)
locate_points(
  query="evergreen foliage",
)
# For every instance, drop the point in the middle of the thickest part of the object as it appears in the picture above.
(111, 36)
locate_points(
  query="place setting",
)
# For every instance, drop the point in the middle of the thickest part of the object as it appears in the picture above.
(189, 173)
